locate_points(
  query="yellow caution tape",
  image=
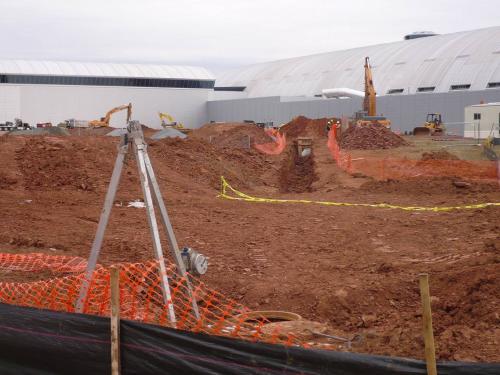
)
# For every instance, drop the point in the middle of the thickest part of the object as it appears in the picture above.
(239, 196)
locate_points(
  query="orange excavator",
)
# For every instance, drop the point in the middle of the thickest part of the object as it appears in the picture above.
(104, 121)
(369, 114)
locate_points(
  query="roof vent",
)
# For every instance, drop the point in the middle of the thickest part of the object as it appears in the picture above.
(419, 34)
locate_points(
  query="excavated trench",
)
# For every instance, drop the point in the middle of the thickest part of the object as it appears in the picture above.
(297, 173)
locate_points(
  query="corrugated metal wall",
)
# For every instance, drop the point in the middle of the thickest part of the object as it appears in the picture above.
(405, 111)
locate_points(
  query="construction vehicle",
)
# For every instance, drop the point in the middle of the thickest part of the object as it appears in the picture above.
(433, 126)
(73, 123)
(167, 121)
(18, 124)
(104, 121)
(44, 125)
(369, 114)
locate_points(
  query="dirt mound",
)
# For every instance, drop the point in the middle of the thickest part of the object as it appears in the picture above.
(305, 127)
(438, 155)
(205, 163)
(48, 162)
(297, 173)
(370, 137)
(233, 135)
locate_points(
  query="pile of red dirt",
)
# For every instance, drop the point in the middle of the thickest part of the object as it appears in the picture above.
(305, 127)
(233, 135)
(48, 162)
(438, 155)
(370, 137)
(205, 163)
(297, 173)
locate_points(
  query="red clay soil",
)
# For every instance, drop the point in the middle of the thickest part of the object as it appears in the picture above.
(233, 135)
(438, 155)
(304, 127)
(430, 186)
(353, 268)
(297, 173)
(402, 169)
(370, 137)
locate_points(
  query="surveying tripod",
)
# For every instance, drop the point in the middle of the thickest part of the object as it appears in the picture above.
(134, 139)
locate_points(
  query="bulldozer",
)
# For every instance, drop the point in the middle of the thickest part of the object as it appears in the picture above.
(369, 114)
(433, 126)
(104, 121)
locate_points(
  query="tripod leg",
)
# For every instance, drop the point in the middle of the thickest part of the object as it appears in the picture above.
(155, 234)
(172, 241)
(103, 222)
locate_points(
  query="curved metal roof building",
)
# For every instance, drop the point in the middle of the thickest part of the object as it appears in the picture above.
(111, 70)
(467, 60)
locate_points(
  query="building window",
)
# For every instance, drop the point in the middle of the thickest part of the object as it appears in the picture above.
(426, 89)
(230, 88)
(395, 91)
(460, 87)
(492, 85)
(105, 81)
(477, 116)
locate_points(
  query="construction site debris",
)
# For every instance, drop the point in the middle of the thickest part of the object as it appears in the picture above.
(370, 137)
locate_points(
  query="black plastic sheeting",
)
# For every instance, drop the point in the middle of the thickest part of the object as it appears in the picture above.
(44, 342)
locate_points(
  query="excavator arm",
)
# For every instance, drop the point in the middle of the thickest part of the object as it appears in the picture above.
(168, 121)
(104, 122)
(370, 102)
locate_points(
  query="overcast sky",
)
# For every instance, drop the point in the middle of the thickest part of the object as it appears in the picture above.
(219, 34)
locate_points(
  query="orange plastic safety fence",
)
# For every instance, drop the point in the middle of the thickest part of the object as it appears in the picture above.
(392, 168)
(343, 158)
(40, 262)
(141, 297)
(273, 148)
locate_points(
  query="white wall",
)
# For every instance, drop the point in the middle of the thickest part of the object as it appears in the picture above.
(55, 103)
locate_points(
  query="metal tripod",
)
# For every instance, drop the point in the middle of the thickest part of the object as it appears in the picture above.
(134, 139)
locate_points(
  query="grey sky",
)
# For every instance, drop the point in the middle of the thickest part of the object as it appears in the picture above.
(220, 33)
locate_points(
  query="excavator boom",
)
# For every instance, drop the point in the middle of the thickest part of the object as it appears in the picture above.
(104, 122)
(168, 121)
(370, 102)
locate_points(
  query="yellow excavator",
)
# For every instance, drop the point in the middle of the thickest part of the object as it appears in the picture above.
(433, 125)
(104, 121)
(168, 121)
(369, 114)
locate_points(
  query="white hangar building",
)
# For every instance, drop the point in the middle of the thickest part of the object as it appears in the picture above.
(438, 73)
(54, 91)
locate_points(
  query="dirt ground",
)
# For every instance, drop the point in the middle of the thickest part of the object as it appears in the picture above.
(354, 268)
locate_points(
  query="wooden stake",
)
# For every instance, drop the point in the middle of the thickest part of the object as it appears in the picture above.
(430, 350)
(115, 320)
